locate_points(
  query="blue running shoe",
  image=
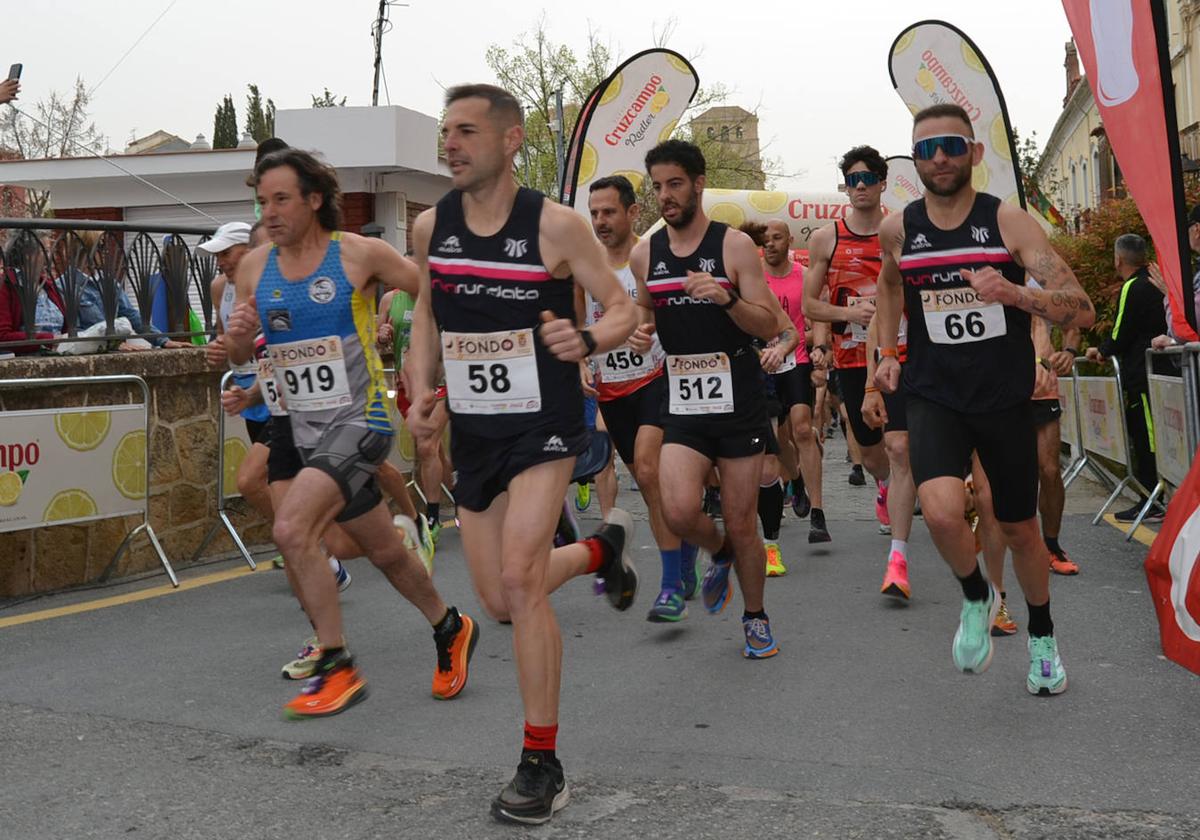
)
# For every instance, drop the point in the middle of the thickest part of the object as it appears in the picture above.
(760, 644)
(717, 589)
(343, 576)
(692, 558)
(669, 606)
(973, 641)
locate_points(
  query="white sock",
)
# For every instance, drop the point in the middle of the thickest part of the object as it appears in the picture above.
(335, 565)
(901, 546)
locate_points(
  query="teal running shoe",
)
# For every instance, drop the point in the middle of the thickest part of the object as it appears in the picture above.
(1046, 674)
(716, 589)
(760, 644)
(973, 641)
(669, 607)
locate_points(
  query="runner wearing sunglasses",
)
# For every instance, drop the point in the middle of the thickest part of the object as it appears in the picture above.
(956, 261)
(845, 257)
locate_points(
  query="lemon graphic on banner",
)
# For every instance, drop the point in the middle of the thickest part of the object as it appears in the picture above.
(679, 64)
(659, 101)
(767, 202)
(70, 504)
(129, 466)
(10, 488)
(668, 130)
(235, 451)
(972, 58)
(82, 430)
(588, 159)
(727, 212)
(904, 42)
(612, 90)
(635, 178)
(998, 135)
(980, 177)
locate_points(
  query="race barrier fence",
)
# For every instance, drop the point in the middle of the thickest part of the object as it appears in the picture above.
(95, 465)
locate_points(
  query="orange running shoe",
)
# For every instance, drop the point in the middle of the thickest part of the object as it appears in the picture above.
(1061, 564)
(895, 579)
(454, 649)
(336, 687)
(1003, 625)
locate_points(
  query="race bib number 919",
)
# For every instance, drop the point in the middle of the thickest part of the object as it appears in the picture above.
(959, 316)
(491, 373)
(312, 374)
(700, 383)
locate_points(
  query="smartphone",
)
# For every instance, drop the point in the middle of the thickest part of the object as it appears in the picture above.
(14, 72)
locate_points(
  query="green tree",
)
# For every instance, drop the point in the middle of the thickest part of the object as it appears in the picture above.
(260, 118)
(225, 130)
(327, 100)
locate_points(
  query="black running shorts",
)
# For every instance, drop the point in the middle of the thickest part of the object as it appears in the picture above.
(351, 456)
(256, 430)
(853, 382)
(940, 441)
(753, 436)
(1045, 412)
(486, 465)
(283, 461)
(624, 416)
(794, 388)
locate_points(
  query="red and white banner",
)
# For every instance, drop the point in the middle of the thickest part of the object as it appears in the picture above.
(1173, 573)
(1123, 46)
(628, 114)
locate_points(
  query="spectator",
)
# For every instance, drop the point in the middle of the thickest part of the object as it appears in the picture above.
(1139, 319)
(9, 89)
(12, 318)
(159, 313)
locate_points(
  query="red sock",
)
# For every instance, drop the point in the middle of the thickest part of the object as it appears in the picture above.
(596, 550)
(540, 738)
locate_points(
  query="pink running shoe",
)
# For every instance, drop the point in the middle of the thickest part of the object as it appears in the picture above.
(881, 511)
(895, 579)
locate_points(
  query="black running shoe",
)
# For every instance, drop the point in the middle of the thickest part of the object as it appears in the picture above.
(1155, 514)
(535, 792)
(619, 575)
(712, 502)
(817, 532)
(801, 504)
(856, 475)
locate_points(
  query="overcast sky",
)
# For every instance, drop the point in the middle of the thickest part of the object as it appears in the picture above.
(816, 71)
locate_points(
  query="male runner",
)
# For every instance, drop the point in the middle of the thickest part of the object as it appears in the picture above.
(701, 285)
(631, 387)
(500, 263)
(1047, 416)
(845, 256)
(315, 289)
(794, 377)
(956, 260)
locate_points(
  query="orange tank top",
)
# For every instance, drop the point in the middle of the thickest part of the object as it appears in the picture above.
(853, 274)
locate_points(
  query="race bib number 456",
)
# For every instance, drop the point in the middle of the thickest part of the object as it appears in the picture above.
(491, 373)
(312, 374)
(700, 383)
(959, 316)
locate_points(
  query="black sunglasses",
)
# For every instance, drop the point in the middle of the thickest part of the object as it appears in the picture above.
(954, 145)
(868, 179)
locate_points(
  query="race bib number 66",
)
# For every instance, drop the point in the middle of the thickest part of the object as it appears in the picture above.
(960, 316)
(491, 373)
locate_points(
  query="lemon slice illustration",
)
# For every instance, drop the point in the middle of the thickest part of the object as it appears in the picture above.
(70, 504)
(767, 202)
(10, 488)
(612, 90)
(129, 466)
(235, 451)
(82, 430)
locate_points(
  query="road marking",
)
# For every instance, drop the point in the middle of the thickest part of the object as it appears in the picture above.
(1143, 534)
(132, 597)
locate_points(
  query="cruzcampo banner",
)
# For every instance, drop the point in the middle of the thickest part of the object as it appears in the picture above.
(1123, 47)
(1174, 575)
(903, 185)
(65, 465)
(803, 212)
(635, 109)
(932, 62)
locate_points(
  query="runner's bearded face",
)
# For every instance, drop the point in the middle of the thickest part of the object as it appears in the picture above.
(677, 194)
(863, 195)
(287, 214)
(611, 222)
(778, 244)
(478, 146)
(942, 173)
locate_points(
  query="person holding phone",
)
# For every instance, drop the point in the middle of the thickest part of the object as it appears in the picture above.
(11, 86)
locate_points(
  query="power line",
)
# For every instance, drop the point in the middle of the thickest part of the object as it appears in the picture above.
(132, 47)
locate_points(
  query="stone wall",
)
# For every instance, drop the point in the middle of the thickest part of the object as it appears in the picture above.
(183, 480)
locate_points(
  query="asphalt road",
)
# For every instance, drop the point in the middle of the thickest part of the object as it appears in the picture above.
(160, 718)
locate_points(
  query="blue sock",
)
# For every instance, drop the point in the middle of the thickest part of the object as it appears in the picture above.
(670, 569)
(687, 552)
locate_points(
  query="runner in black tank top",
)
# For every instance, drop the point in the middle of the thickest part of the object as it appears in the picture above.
(707, 304)
(500, 265)
(957, 260)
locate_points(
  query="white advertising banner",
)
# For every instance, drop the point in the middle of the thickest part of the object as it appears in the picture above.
(65, 465)
(1068, 425)
(903, 184)
(1168, 408)
(1102, 416)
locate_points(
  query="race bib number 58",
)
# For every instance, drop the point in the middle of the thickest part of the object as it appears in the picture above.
(959, 316)
(491, 373)
(700, 383)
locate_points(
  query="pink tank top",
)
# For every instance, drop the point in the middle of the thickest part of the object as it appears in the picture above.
(790, 291)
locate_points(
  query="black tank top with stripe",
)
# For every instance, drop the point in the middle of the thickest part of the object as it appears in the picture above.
(962, 353)
(490, 285)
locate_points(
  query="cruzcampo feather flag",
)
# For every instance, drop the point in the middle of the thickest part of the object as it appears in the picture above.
(632, 111)
(932, 62)
(903, 185)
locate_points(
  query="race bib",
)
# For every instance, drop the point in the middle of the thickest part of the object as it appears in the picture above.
(959, 316)
(700, 383)
(270, 388)
(312, 374)
(491, 373)
(858, 332)
(625, 365)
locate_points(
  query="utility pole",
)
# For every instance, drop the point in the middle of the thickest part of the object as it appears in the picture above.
(377, 32)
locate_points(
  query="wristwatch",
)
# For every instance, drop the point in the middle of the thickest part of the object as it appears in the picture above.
(588, 341)
(733, 298)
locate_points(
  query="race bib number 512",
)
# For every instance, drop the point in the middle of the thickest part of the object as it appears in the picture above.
(700, 383)
(959, 316)
(491, 373)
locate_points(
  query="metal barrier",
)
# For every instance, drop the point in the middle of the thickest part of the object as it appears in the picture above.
(222, 515)
(119, 379)
(1069, 429)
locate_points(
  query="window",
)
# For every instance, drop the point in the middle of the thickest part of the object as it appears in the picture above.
(1074, 186)
(724, 134)
(712, 133)
(1087, 192)
(739, 132)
